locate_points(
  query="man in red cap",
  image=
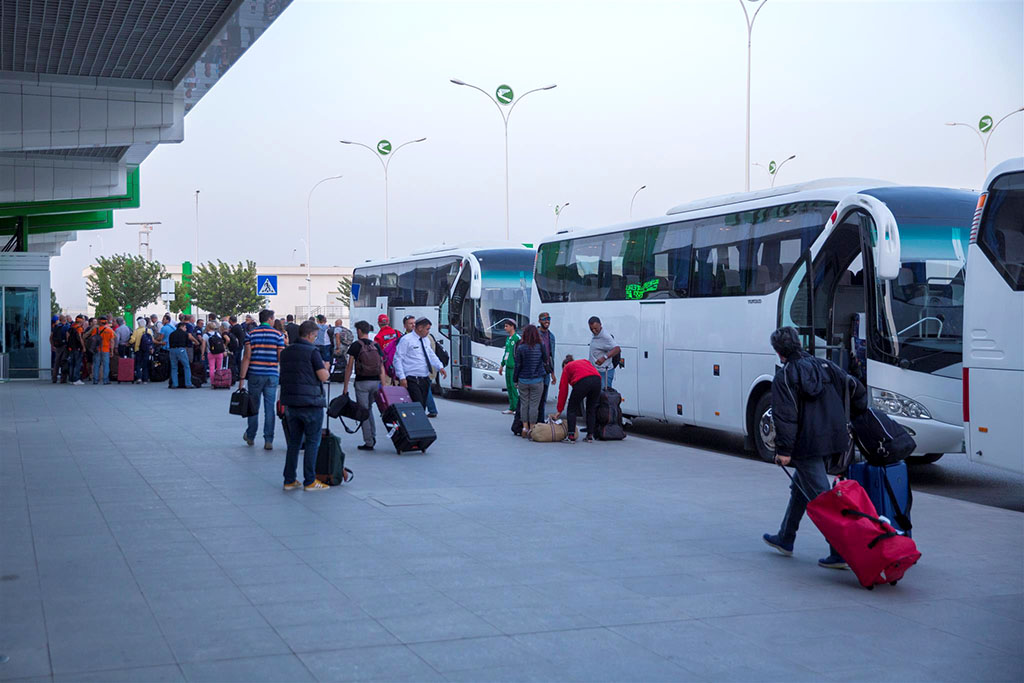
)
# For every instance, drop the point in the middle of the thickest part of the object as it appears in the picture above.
(387, 334)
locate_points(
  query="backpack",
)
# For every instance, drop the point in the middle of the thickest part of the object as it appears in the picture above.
(609, 416)
(60, 336)
(216, 344)
(389, 357)
(145, 342)
(368, 361)
(94, 342)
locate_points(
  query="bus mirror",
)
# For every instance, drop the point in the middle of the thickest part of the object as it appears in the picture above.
(885, 245)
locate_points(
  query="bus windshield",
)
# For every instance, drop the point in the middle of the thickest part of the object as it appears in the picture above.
(506, 277)
(923, 308)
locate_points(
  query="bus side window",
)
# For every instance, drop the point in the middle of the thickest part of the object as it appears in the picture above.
(667, 260)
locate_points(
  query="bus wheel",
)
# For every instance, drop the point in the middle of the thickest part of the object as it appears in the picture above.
(926, 459)
(764, 428)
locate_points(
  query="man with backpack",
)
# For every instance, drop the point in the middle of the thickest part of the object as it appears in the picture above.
(811, 425)
(604, 352)
(101, 344)
(75, 349)
(366, 358)
(141, 342)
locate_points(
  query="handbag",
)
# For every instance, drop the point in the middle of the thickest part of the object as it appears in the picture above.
(244, 404)
(839, 463)
(343, 406)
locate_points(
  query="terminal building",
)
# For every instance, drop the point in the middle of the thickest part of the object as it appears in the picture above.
(87, 90)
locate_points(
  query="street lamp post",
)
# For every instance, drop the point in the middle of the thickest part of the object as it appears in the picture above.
(642, 187)
(750, 31)
(309, 276)
(773, 169)
(984, 129)
(503, 96)
(558, 212)
(384, 154)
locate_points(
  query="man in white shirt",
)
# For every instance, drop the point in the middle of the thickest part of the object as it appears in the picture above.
(414, 358)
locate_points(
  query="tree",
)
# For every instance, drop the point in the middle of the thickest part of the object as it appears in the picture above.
(54, 306)
(180, 302)
(225, 289)
(345, 292)
(124, 283)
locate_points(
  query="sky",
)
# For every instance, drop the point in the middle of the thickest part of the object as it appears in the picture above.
(649, 93)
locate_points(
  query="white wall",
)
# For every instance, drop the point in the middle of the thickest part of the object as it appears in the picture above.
(32, 270)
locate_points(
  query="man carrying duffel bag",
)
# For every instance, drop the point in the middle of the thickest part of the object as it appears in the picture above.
(808, 409)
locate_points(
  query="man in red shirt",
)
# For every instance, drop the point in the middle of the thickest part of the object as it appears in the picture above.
(586, 385)
(387, 334)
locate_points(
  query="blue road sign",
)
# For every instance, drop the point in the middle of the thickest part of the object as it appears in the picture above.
(266, 285)
(355, 291)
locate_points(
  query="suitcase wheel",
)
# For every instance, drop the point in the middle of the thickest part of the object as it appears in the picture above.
(870, 588)
(893, 583)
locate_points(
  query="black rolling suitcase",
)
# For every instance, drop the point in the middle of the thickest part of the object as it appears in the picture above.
(330, 458)
(410, 429)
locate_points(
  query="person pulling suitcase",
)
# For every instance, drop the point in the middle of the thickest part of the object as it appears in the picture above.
(810, 428)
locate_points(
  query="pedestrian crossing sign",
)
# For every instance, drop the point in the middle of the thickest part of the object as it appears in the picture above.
(266, 285)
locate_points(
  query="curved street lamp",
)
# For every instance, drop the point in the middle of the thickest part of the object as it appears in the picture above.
(504, 92)
(558, 212)
(384, 154)
(984, 129)
(750, 30)
(773, 169)
(309, 277)
(642, 187)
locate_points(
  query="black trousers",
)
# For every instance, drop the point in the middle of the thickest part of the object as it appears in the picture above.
(541, 417)
(589, 389)
(418, 389)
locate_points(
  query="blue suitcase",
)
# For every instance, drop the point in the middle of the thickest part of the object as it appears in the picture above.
(889, 490)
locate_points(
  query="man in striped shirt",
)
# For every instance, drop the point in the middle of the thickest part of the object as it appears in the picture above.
(260, 365)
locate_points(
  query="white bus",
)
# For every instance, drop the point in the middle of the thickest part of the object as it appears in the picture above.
(692, 298)
(466, 290)
(993, 398)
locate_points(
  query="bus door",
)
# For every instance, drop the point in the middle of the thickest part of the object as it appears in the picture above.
(458, 316)
(651, 362)
(832, 313)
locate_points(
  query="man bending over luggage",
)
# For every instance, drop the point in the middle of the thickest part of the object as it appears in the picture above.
(414, 357)
(810, 427)
(302, 372)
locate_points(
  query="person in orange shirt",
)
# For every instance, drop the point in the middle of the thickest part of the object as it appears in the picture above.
(101, 350)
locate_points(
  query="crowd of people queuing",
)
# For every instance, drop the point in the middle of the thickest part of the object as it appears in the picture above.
(88, 348)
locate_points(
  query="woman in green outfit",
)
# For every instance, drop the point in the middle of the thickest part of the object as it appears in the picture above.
(508, 361)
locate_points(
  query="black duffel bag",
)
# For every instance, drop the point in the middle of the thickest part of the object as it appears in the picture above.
(343, 406)
(881, 440)
(243, 403)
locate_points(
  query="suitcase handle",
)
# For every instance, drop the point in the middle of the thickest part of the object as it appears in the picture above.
(849, 512)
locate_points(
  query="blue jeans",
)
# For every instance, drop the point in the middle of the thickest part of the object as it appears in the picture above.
(75, 361)
(265, 385)
(180, 356)
(431, 406)
(101, 366)
(607, 373)
(304, 424)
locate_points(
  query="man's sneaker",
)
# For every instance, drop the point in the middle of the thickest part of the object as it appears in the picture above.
(431, 414)
(776, 542)
(268, 445)
(365, 447)
(78, 383)
(508, 412)
(247, 440)
(292, 486)
(317, 486)
(833, 561)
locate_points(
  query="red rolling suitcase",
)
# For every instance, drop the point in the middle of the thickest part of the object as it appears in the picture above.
(125, 370)
(388, 396)
(221, 379)
(875, 551)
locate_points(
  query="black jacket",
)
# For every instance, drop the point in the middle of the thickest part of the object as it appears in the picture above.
(531, 362)
(299, 384)
(808, 407)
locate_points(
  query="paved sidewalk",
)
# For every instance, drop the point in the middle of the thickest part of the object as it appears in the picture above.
(142, 540)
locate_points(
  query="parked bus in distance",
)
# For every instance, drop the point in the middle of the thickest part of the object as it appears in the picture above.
(871, 274)
(467, 291)
(993, 375)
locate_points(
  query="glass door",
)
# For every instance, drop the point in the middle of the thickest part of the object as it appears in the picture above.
(21, 331)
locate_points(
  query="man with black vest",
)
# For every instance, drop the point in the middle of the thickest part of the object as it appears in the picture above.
(302, 373)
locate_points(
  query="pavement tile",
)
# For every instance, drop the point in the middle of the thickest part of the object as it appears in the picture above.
(471, 653)
(25, 662)
(209, 644)
(276, 668)
(336, 635)
(94, 651)
(447, 625)
(390, 663)
(297, 613)
(151, 674)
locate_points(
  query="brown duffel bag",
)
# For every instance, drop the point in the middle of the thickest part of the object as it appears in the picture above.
(549, 432)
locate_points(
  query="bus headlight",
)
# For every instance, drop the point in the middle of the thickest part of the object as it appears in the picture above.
(484, 364)
(894, 404)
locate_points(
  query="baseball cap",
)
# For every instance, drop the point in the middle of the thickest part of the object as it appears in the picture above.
(408, 317)
(382, 319)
